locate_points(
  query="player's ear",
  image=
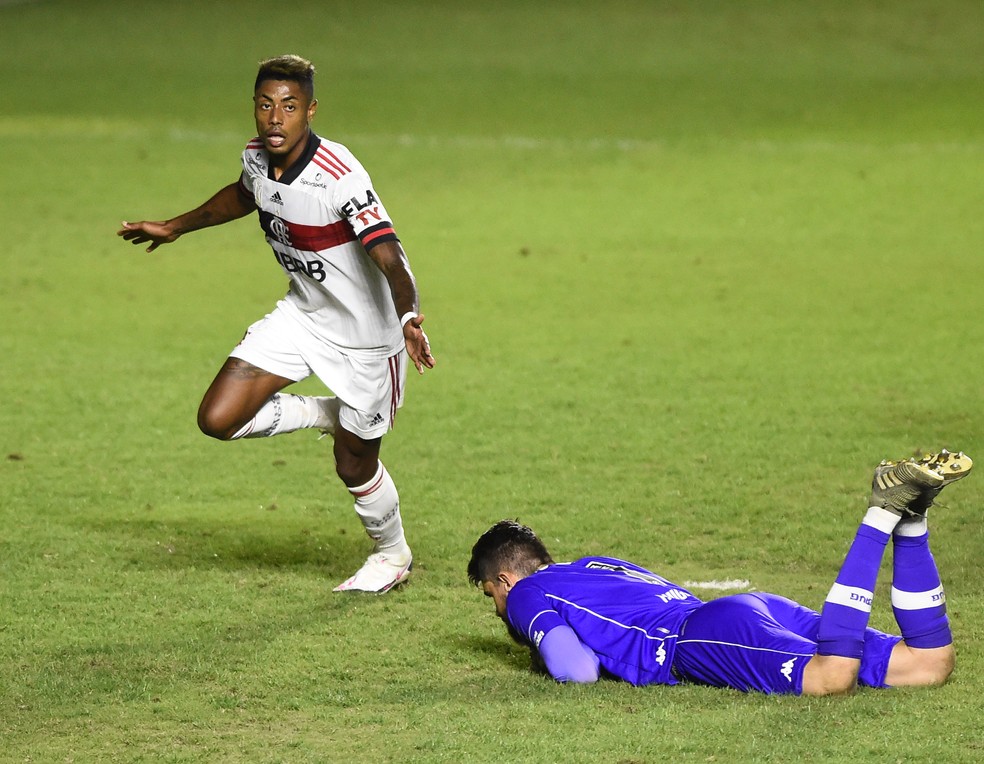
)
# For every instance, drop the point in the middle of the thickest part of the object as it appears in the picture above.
(507, 579)
(312, 108)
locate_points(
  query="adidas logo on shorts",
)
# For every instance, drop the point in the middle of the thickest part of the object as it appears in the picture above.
(378, 419)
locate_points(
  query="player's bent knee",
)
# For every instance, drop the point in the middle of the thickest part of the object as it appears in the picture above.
(830, 675)
(354, 472)
(938, 668)
(950, 663)
(826, 688)
(215, 426)
(356, 460)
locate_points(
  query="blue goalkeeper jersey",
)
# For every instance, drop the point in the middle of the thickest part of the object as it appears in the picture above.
(628, 615)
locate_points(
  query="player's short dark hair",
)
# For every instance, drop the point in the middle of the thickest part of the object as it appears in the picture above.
(288, 67)
(507, 545)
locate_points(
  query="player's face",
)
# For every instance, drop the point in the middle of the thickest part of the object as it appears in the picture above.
(283, 118)
(498, 591)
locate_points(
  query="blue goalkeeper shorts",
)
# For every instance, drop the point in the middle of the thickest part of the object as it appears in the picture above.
(762, 642)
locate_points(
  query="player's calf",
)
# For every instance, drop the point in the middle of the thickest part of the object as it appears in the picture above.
(915, 667)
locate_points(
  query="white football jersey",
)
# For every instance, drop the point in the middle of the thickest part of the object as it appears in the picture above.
(319, 218)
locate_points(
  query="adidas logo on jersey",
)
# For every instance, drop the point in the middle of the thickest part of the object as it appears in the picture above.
(276, 198)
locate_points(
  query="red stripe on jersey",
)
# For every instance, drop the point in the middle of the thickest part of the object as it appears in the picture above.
(335, 172)
(255, 143)
(329, 157)
(377, 234)
(316, 237)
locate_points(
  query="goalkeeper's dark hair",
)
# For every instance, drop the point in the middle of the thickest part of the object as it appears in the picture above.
(288, 67)
(507, 545)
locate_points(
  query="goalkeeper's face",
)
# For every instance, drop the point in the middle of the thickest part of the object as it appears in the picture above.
(498, 590)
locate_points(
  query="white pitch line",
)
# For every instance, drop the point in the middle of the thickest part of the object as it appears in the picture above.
(734, 583)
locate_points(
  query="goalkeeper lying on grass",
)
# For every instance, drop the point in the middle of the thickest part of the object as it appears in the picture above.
(599, 616)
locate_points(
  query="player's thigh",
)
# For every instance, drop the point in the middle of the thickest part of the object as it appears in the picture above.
(238, 391)
(264, 362)
(801, 620)
(370, 390)
(736, 642)
(276, 345)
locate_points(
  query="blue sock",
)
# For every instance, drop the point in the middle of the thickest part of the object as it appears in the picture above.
(918, 599)
(846, 611)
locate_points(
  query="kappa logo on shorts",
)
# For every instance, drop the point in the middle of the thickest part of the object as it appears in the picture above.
(787, 669)
(376, 420)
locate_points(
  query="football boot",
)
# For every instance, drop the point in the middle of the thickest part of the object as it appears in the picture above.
(897, 485)
(951, 467)
(380, 573)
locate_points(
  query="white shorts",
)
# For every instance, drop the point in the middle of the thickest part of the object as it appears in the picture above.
(370, 390)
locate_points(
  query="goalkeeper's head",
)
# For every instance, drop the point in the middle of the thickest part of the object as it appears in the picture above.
(507, 546)
(506, 553)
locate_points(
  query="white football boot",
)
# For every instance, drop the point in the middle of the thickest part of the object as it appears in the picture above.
(380, 573)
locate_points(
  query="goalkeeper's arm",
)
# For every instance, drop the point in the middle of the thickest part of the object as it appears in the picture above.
(567, 658)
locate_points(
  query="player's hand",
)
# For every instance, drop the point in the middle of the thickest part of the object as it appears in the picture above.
(418, 346)
(156, 232)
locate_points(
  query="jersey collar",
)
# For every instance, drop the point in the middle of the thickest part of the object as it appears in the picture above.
(291, 173)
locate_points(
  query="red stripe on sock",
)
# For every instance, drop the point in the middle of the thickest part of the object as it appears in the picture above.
(360, 494)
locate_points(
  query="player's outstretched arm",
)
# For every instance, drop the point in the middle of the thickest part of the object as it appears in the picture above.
(228, 204)
(393, 262)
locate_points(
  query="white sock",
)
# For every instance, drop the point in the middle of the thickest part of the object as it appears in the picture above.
(377, 504)
(285, 412)
(883, 520)
(912, 526)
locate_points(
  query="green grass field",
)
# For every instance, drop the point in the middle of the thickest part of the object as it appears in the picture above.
(690, 270)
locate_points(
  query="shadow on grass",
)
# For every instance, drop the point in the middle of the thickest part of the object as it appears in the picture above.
(206, 543)
(502, 650)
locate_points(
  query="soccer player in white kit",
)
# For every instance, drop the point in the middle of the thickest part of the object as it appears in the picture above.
(350, 316)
